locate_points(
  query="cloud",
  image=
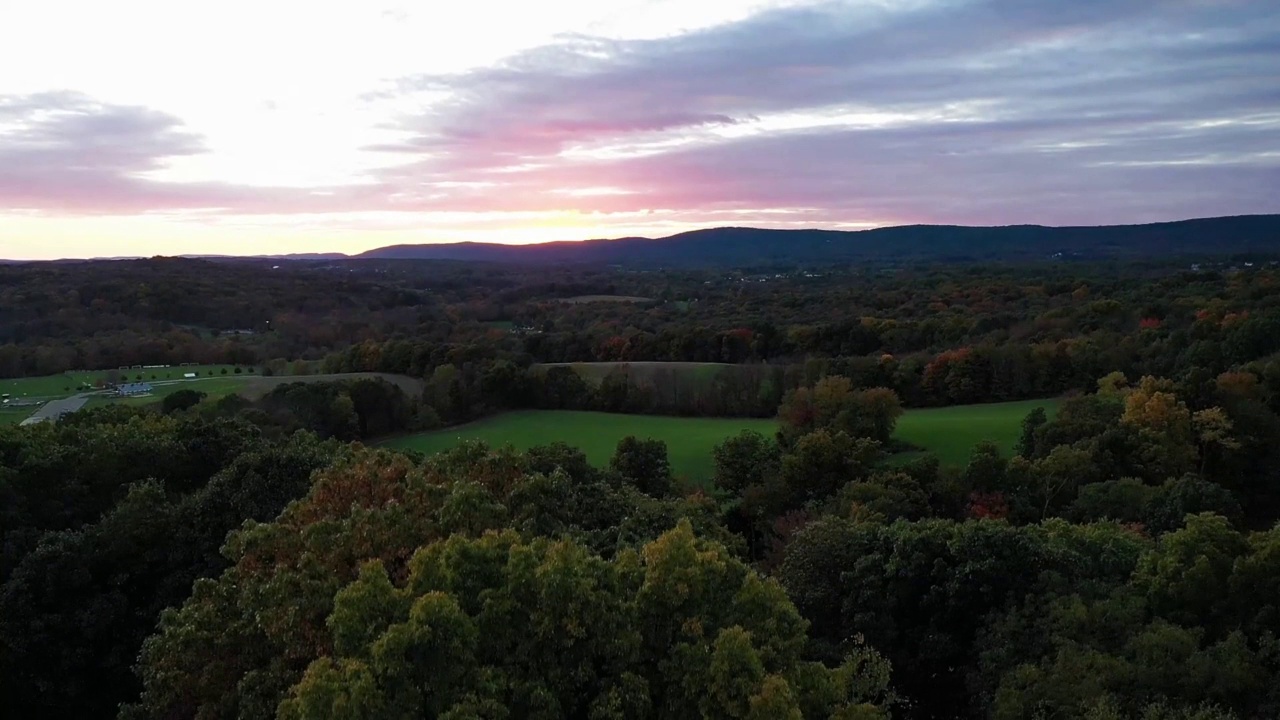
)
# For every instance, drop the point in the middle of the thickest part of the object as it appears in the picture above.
(950, 111)
(827, 113)
(66, 153)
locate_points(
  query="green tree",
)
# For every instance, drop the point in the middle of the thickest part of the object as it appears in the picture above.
(1047, 485)
(821, 462)
(1031, 425)
(76, 610)
(240, 642)
(923, 592)
(181, 400)
(644, 463)
(546, 629)
(986, 469)
(1171, 502)
(743, 460)
(1123, 500)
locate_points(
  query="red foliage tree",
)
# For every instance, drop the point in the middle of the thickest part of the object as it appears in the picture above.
(988, 505)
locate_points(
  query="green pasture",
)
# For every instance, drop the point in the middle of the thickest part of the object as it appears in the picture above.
(951, 432)
(689, 440)
(948, 432)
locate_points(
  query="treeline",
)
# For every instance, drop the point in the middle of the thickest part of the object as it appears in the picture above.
(979, 339)
(465, 387)
(1156, 318)
(358, 409)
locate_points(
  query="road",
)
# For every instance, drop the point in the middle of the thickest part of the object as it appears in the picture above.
(55, 409)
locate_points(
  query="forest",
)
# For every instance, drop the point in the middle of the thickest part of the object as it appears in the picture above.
(265, 556)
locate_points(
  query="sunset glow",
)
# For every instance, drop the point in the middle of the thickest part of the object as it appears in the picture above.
(141, 127)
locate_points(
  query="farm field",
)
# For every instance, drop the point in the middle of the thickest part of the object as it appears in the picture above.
(949, 432)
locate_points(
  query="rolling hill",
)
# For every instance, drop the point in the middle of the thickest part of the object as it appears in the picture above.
(744, 246)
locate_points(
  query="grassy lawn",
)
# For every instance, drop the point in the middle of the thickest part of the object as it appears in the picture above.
(689, 440)
(214, 387)
(949, 432)
(39, 387)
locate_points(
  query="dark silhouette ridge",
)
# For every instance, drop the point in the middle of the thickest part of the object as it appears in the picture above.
(740, 245)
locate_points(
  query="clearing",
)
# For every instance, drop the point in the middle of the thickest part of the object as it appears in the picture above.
(689, 440)
(949, 432)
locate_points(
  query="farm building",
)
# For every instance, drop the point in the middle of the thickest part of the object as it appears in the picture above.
(132, 389)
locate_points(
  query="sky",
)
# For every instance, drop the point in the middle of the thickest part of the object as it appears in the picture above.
(139, 127)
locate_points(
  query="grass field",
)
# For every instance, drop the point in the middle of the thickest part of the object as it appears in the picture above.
(213, 387)
(949, 432)
(689, 440)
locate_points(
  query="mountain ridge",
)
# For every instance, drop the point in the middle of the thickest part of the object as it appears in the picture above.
(1215, 236)
(741, 245)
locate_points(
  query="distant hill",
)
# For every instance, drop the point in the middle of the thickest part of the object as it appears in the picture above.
(745, 246)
